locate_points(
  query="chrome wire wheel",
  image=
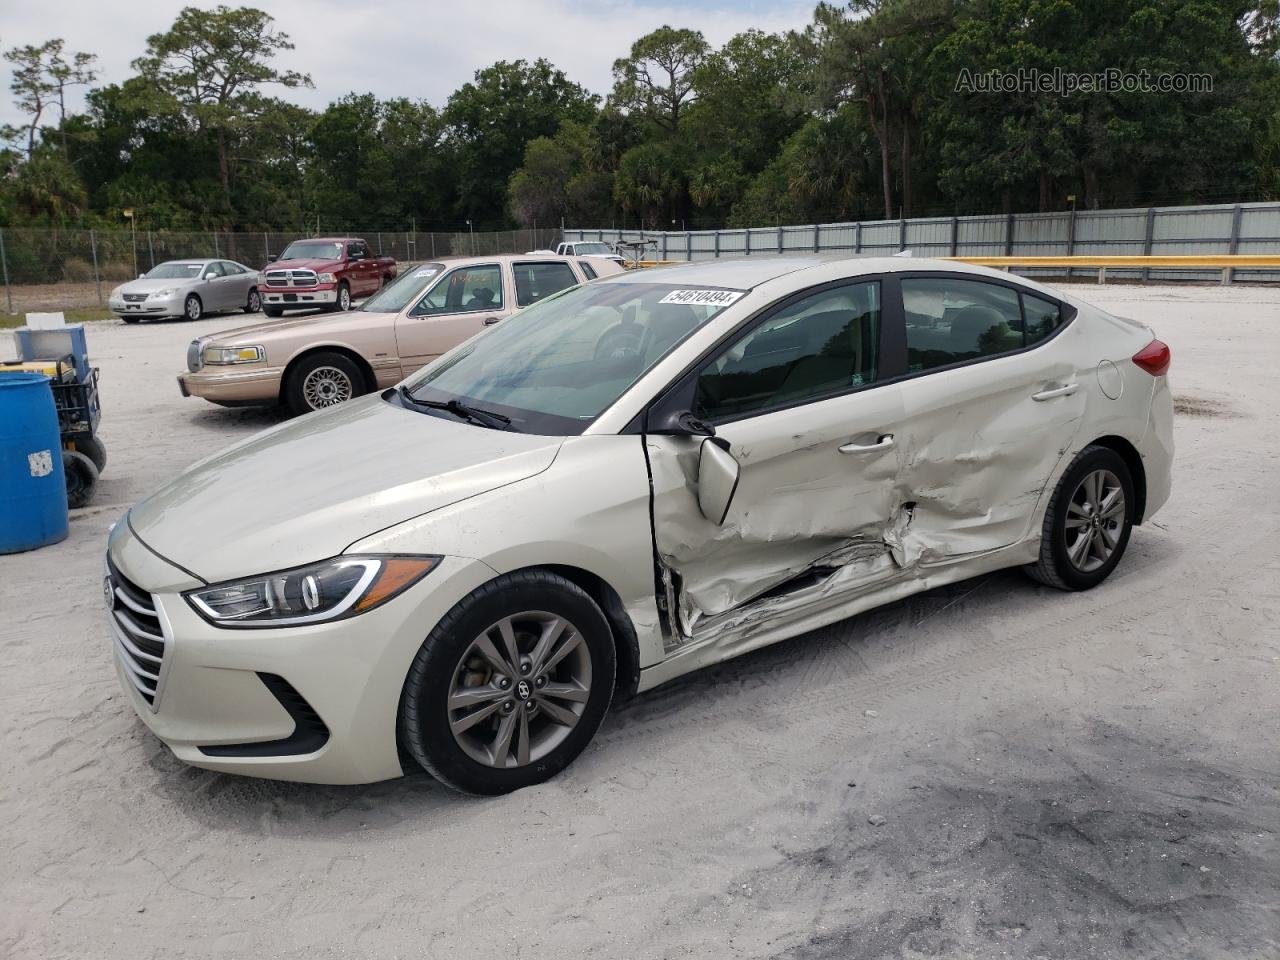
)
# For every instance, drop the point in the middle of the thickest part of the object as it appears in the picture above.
(325, 386)
(519, 689)
(1095, 520)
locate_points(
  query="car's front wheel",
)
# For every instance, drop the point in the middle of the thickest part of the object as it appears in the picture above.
(193, 308)
(1088, 521)
(510, 686)
(322, 380)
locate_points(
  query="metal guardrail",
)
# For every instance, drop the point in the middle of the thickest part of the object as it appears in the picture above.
(1246, 229)
(1226, 263)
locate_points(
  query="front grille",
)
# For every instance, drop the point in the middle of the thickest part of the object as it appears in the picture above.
(291, 278)
(135, 297)
(139, 638)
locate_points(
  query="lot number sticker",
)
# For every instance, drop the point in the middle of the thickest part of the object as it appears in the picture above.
(702, 298)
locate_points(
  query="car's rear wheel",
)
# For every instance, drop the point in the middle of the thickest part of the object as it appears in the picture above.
(323, 380)
(510, 686)
(193, 308)
(1088, 521)
(254, 303)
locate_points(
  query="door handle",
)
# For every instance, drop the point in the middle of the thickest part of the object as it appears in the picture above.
(884, 443)
(1066, 391)
(490, 321)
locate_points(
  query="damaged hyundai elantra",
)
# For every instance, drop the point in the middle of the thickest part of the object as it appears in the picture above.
(625, 482)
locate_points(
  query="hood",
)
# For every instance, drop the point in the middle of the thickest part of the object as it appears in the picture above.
(319, 266)
(148, 286)
(307, 489)
(255, 332)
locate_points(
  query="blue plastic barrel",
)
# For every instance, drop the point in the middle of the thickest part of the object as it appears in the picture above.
(33, 490)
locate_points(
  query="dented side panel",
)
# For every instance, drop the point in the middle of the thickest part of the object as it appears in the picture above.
(800, 502)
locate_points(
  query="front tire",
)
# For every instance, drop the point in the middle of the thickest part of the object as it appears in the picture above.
(1088, 522)
(510, 686)
(323, 380)
(343, 303)
(193, 309)
(273, 312)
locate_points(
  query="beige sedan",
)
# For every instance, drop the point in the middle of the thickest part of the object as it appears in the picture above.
(313, 362)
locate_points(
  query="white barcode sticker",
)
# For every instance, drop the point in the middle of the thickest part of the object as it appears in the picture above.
(702, 298)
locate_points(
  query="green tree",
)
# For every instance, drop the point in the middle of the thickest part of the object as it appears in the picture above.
(657, 78)
(492, 119)
(209, 68)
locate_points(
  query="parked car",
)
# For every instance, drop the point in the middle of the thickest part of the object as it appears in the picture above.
(326, 272)
(314, 362)
(621, 484)
(186, 288)
(588, 248)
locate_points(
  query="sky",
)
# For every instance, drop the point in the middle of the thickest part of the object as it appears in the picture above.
(420, 50)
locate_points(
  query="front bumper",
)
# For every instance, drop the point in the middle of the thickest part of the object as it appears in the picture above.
(298, 296)
(232, 386)
(220, 703)
(168, 307)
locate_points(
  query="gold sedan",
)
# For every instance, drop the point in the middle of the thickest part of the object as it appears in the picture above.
(313, 362)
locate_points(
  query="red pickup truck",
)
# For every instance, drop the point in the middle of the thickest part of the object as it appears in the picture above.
(325, 272)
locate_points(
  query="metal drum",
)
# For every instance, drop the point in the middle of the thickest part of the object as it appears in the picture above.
(33, 490)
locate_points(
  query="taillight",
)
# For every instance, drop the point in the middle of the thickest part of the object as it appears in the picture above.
(1154, 358)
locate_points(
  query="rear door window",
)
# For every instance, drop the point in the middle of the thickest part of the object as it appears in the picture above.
(536, 281)
(1042, 317)
(952, 320)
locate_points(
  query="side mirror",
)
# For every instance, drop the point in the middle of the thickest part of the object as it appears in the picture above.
(211, 275)
(142, 276)
(718, 475)
(272, 258)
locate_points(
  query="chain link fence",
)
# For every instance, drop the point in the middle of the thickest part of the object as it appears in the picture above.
(69, 269)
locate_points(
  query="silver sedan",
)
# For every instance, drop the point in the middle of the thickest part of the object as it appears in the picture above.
(189, 289)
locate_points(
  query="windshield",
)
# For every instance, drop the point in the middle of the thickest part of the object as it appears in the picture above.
(556, 366)
(312, 250)
(175, 271)
(583, 249)
(397, 294)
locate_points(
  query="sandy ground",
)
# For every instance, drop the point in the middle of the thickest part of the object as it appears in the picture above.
(1092, 775)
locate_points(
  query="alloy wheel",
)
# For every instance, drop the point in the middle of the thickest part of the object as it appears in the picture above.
(193, 308)
(1095, 520)
(255, 301)
(519, 689)
(344, 299)
(325, 386)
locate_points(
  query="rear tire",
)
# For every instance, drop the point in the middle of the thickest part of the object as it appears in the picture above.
(254, 303)
(1088, 521)
(511, 729)
(82, 478)
(92, 448)
(323, 380)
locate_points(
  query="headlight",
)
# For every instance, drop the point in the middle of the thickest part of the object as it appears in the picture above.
(330, 590)
(161, 294)
(326, 278)
(234, 354)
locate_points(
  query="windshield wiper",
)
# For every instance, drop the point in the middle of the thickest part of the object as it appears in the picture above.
(484, 418)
